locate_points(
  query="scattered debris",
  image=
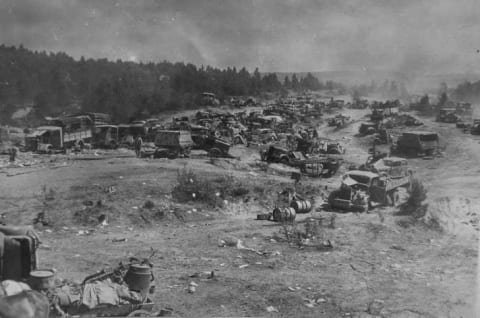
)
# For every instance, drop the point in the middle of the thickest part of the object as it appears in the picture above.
(271, 309)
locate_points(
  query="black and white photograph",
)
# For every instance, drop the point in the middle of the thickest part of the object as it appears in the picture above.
(239, 158)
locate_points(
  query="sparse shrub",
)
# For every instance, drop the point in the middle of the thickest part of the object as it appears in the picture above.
(415, 206)
(291, 233)
(148, 204)
(313, 235)
(48, 194)
(417, 194)
(259, 189)
(313, 229)
(46, 198)
(239, 191)
(190, 187)
(331, 223)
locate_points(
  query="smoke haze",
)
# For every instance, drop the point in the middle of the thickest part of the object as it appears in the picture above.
(409, 36)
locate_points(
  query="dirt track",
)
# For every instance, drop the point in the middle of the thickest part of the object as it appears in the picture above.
(416, 270)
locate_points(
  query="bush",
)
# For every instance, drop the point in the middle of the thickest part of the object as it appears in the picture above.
(415, 205)
(417, 194)
(190, 187)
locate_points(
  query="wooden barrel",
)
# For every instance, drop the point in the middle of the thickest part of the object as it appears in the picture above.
(284, 214)
(301, 206)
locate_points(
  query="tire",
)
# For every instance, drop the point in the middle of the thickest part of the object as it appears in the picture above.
(395, 198)
(285, 161)
(113, 144)
(215, 153)
(367, 207)
(411, 153)
(389, 199)
(332, 196)
(237, 141)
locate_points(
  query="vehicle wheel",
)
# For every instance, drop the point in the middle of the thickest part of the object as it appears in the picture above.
(172, 155)
(237, 141)
(389, 199)
(395, 198)
(367, 207)
(411, 153)
(332, 196)
(215, 153)
(284, 161)
(113, 144)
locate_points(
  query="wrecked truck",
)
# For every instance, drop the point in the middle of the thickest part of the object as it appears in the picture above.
(313, 166)
(173, 143)
(416, 144)
(362, 190)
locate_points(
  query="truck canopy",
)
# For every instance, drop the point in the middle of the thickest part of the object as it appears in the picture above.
(173, 138)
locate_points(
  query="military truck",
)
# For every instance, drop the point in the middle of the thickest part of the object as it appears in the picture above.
(417, 144)
(394, 167)
(313, 166)
(173, 143)
(447, 115)
(362, 190)
(475, 129)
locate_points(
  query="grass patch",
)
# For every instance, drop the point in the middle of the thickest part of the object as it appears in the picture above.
(192, 187)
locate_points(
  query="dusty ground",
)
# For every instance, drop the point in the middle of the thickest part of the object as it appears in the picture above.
(415, 269)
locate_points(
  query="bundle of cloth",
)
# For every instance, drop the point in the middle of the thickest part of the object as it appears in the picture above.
(91, 295)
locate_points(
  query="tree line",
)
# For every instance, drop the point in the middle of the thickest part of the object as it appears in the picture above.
(56, 83)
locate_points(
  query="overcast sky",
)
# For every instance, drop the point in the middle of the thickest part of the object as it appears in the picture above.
(430, 36)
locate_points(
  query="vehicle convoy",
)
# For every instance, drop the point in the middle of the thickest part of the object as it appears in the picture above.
(417, 144)
(313, 166)
(48, 139)
(361, 190)
(173, 143)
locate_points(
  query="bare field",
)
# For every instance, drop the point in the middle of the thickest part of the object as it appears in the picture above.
(417, 270)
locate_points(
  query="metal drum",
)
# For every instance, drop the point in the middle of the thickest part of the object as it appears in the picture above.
(301, 206)
(139, 277)
(42, 279)
(284, 214)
